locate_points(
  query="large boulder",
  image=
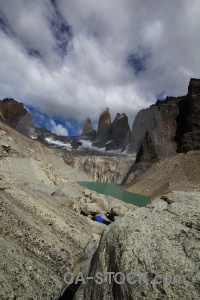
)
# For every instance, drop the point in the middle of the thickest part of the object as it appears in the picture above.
(159, 243)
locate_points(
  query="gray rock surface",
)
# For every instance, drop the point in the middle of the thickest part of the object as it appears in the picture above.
(160, 239)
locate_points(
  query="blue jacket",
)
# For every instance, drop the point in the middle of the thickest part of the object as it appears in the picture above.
(99, 219)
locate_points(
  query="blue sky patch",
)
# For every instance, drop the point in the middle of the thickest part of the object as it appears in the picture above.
(61, 31)
(3, 25)
(43, 120)
(137, 61)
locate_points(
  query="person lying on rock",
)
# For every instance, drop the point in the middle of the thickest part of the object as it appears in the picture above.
(99, 219)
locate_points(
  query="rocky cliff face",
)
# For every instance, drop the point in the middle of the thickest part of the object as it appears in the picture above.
(160, 140)
(168, 127)
(191, 134)
(15, 114)
(165, 129)
(101, 168)
(161, 115)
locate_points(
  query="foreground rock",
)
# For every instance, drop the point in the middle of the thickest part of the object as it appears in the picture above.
(160, 239)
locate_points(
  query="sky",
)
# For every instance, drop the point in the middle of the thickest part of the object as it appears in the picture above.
(67, 60)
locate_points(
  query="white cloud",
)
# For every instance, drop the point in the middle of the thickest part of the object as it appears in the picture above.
(95, 73)
(58, 128)
(69, 125)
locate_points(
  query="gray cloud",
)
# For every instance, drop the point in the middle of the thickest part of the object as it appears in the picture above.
(79, 70)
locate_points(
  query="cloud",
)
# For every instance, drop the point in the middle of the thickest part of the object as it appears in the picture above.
(71, 59)
(58, 128)
(69, 125)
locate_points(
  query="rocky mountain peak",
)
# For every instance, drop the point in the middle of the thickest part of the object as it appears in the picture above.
(104, 125)
(115, 135)
(120, 128)
(6, 100)
(87, 128)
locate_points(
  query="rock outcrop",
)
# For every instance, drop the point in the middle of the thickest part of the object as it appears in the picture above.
(88, 131)
(16, 115)
(159, 244)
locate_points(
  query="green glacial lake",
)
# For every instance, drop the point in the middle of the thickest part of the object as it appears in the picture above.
(115, 191)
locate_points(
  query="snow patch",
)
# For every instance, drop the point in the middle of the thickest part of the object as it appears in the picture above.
(87, 145)
(58, 143)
